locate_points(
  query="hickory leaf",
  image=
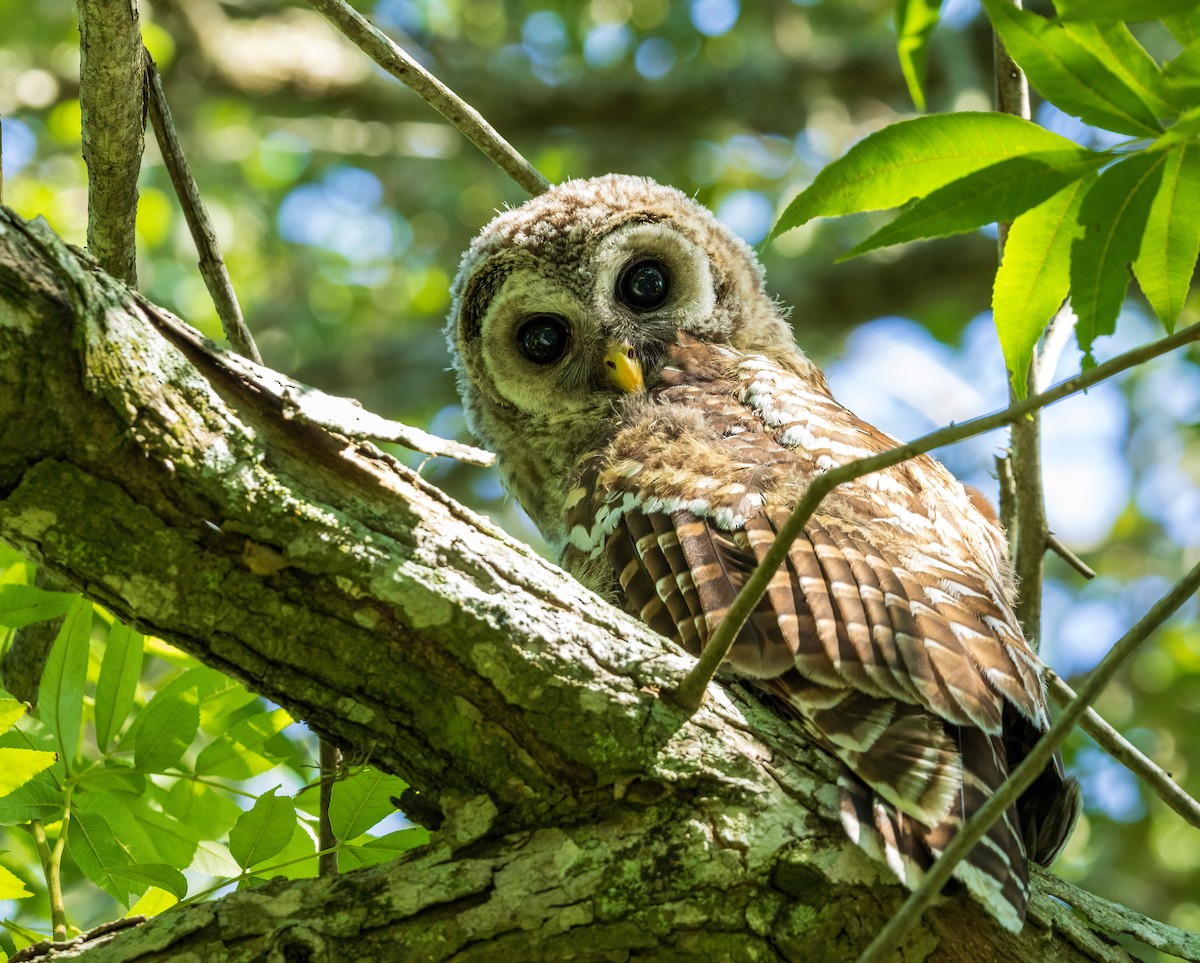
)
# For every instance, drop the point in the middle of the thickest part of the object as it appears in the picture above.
(915, 23)
(263, 830)
(1166, 260)
(120, 670)
(913, 158)
(1114, 215)
(1070, 75)
(996, 193)
(1128, 10)
(60, 694)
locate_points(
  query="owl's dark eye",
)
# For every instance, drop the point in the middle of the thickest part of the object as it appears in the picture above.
(543, 338)
(644, 285)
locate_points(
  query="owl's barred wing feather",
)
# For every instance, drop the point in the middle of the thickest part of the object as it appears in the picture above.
(898, 653)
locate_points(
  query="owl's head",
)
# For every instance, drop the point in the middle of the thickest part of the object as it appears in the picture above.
(564, 309)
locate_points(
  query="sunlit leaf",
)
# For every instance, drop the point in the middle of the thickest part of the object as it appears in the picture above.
(263, 830)
(383, 849)
(60, 695)
(12, 886)
(10, 712)
(362, 800)
(1069, 74)
(1183, 72)
(1166, 261)
(912, 158)
(154, 874)
(129, 833)
(152, 902)
(915, 23)
(1185, 27)
(38, 799)
(1035, 276)
(1128, 10)
(18, 766)
(24, 604)
(233, 756)
(120, 670)
(96, 853)
(168, 726)
(1126, 58)
(997, 193)
(1114, 215)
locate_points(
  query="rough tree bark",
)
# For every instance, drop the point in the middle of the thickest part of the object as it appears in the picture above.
(584, 816)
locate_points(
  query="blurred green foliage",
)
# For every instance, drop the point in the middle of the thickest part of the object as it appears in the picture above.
(342, 203)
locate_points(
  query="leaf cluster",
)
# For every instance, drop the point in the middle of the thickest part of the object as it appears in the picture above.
(1080, 217)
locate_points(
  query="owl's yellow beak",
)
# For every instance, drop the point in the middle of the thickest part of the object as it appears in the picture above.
(623, 369)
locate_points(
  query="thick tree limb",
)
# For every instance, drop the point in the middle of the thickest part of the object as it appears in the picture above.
(583, 814)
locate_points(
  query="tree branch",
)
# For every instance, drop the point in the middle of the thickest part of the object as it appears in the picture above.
(1126, 753)
(578, 807)
(204, 235)
(380, 48)
(112, 98)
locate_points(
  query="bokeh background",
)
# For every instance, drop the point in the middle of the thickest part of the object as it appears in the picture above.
(342, 203)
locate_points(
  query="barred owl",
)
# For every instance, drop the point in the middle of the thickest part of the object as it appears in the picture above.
(616, 347)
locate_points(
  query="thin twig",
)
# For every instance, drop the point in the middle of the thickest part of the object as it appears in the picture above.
(1055, 545)
(1029, 769)
(691, 690)
(380, 48)
(1126, 753)
(112, 98)
(212, 264)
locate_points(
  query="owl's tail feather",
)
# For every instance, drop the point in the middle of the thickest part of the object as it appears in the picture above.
(996, 872)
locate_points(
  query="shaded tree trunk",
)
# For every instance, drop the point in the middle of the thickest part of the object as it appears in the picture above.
(581, 815)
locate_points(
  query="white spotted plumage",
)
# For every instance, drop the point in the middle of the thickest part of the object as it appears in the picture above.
(662, 471)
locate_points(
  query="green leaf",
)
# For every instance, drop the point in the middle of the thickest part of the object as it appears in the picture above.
(1068, 74)
(120, 670)
(39, 799)
(12, 886)
(129, 832)
(263, 830)
(60, 695)
(1128, 10)
(154, 874)
(24, 604)
(1035, 276)
(1167, 260)
(996, 193)
(18, 766)
(1114, 216)
(1183, 73)
(1185, 27)
(152, 902)
(915, 23)
(360, 801)
(168, 726)
(11, 712)
(1124, 56)
(911, 159)
(96, 853)
(382, 849)
(233, 756)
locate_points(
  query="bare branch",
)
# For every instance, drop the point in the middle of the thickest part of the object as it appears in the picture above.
(1112, 917)
(380, 48)
(112, 98)
(1121, 749)
(691, 692)
(212, 264)
(1055, 545)
(1029, 769)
